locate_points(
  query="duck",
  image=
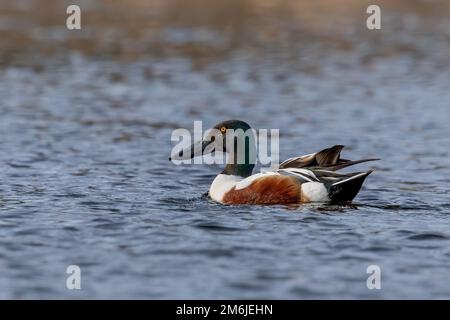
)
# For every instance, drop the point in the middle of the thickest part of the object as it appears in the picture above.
(302, 179)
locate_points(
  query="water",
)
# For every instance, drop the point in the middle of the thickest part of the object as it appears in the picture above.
(85, 177)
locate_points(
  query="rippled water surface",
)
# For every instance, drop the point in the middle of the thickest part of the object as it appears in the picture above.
(85, 178)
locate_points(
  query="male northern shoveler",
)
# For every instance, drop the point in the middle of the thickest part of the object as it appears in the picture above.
(309, 178)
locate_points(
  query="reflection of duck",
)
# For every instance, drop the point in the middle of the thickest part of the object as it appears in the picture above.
(310, 178)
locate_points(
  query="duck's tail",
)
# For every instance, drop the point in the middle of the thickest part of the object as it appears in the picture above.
(327, 159)
(347, 163)
(347, 188)
(330, 159)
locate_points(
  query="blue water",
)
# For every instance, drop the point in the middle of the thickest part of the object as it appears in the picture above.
(85, 177)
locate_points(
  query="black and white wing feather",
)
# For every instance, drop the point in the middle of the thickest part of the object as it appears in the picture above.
(329, 159)
(303, 175)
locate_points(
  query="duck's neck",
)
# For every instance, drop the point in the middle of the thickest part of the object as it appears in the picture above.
(241, 170)
(241, 167)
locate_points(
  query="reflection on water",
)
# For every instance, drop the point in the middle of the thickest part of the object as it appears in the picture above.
(85, 136)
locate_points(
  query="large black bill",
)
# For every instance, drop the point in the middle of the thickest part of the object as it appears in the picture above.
(196, 149)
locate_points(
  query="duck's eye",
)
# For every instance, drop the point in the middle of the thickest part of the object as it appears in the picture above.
(223, 129)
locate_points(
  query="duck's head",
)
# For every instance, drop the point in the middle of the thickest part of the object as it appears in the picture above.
(234, 137)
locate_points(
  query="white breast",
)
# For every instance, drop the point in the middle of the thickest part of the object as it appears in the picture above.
(221, 185)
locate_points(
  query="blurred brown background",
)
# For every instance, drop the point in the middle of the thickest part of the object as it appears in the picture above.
(207, 30)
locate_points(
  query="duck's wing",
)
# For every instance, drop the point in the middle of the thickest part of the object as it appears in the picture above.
(327, 177)
(329, 159)
(302, 175)
(337, 187)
